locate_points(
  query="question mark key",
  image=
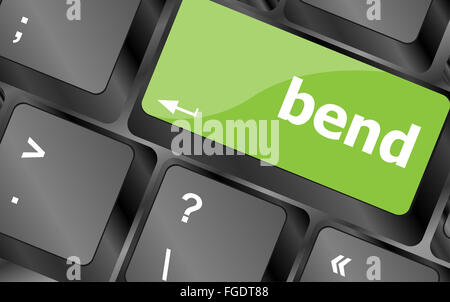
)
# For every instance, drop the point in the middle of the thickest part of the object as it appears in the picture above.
(214, 232)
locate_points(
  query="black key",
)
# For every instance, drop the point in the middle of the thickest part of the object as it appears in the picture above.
(338, 257)
(399, 19)
(231, 237)
(75, 44)
(59, 183)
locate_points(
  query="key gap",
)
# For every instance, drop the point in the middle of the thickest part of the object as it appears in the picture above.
(2, 94)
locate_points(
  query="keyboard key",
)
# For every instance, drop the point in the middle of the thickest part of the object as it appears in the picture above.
(75, 44)
(202, 230)
(338, 257)
(309, 93)
(59, 183)
(400, 19)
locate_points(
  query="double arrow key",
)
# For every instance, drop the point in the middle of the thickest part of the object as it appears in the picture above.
(338, 264)
(368, 263)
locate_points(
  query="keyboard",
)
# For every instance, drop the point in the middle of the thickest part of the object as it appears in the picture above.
(224, 140)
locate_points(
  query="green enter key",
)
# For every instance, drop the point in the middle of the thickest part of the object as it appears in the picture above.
(295, 104)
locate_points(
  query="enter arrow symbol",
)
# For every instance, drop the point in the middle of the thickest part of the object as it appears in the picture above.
(172, 106)
(38, 151)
